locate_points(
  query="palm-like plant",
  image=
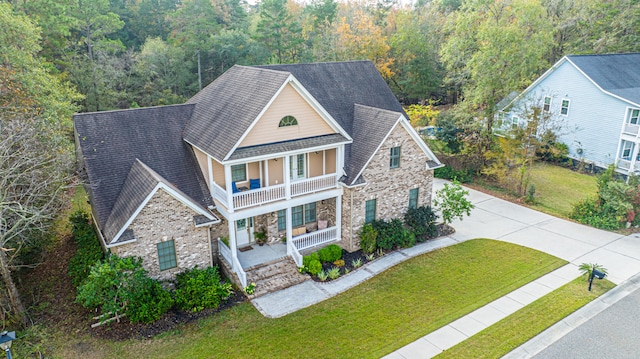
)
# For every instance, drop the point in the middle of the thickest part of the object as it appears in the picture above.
(586, 268)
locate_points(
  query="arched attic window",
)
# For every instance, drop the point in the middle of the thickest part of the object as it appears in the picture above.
(288, 121)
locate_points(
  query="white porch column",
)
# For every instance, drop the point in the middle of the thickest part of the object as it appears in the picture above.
(339, 161)
(210, 170)
(287, 179)
(233, 245)
(339, 217)
(289, 233)
(228, 187)
(266, 173)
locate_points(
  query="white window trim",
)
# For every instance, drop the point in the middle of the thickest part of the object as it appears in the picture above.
(568, 106)
(544, 103)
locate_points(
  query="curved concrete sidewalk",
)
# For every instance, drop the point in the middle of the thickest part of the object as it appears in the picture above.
(491, 218)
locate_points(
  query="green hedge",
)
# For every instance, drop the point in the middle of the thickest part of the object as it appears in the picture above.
(197, 289)
(89, 250)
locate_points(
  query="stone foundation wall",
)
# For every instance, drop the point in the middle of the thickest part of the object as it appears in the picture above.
(165, 218)
(389, 186)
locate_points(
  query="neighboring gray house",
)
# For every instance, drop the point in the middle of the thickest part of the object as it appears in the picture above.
(597, 99)
(305, 152)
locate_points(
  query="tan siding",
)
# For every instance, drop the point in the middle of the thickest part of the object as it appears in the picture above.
(288, 103)
(315, 164)
(202, 163)
(330, 158)
(218, 173)
(253, 171)
(275, 172)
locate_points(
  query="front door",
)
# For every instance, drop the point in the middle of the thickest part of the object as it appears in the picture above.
(242, 232)
(297, 167)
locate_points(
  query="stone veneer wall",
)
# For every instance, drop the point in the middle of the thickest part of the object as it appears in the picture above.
(389, 186)
(270, 220)
(165, 218)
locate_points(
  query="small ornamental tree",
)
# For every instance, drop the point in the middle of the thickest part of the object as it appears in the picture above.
(452, 202)
(121, 286)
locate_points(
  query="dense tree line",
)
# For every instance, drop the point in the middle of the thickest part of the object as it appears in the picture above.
(124, 53)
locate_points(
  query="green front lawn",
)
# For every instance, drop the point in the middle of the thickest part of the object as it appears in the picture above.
(379, 316)
(559, 188)
(509, 333)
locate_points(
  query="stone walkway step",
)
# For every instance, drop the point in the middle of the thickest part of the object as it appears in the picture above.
(274, 276)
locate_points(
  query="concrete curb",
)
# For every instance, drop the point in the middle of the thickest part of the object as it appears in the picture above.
(574, 320)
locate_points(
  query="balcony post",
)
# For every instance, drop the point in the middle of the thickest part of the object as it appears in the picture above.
(287, 178)
(634, 157)
(228, 187)
(233, 246)
(289, 232)
(339, 217)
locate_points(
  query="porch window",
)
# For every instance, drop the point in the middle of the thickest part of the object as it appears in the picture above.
(239, 173)
(288, 121)
(626, 150)
(167, 255)
(282, 219)
(395, 157)
(370, 211)
(634, 114)
(564, 110)
(413, 198)
(296, 216)
(547, 104)
(310, 212)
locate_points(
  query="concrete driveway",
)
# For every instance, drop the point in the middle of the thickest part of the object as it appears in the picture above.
(505, 221)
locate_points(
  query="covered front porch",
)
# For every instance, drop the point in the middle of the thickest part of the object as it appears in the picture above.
(287, 232)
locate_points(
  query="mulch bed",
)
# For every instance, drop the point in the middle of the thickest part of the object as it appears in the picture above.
(350, 257)
(50, 297)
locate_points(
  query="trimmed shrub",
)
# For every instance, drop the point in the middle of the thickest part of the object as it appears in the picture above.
(368, 237)
(197, 289)
(422, 221)
(408, 239)
(330, 254)
(89, 251)
(310, 257)
(589, 212)
(314, 267)
(390, 234)
(151, 300)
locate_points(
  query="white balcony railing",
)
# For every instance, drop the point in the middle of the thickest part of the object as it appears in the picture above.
(313, 239)
(260, 196)
(314, 184)
(631, 128)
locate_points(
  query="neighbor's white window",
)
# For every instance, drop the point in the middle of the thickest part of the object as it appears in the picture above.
(547, 103)
(564, 110)
(634, 114)
(626, 150)
(514, 122)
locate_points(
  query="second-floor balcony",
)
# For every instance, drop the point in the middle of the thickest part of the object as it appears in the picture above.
(275, 179)
(631, 129)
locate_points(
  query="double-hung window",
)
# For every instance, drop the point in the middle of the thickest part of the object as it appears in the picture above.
(634, 115)
(564, 109)
(239, 173)
(626, 150)
(300, 215)
(395, 157)
(547, 104)
(370, 211)
(413, 198)
(167, 255)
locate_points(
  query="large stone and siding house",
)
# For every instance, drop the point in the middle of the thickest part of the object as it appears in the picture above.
(304, 153)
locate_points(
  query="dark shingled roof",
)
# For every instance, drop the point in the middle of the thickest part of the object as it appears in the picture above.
(371, 126)
(111, 142)
(618, 74)
(226, 108)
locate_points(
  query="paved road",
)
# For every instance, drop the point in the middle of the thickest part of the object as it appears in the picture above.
(613, 333)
